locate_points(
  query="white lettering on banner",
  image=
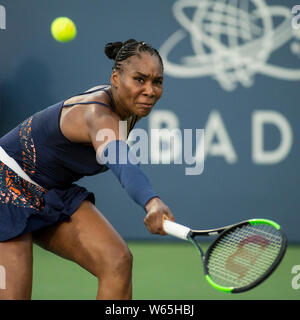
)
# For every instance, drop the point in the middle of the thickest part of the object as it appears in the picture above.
(215, 129)
(259, 119)
(2, 17)
(169, 144)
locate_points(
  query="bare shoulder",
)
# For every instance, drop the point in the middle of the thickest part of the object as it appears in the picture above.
(100, 116)
(77, 120)
(77, 123)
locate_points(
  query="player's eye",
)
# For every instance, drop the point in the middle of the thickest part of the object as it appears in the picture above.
(140, 80)
(158, 82)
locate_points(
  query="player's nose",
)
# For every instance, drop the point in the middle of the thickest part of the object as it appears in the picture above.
(149, 90)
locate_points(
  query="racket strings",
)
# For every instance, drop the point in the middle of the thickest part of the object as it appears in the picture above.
(243, 255)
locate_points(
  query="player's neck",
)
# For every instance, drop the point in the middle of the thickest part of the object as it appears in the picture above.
(120, 109)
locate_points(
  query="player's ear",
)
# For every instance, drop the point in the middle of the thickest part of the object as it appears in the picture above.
(115, 79)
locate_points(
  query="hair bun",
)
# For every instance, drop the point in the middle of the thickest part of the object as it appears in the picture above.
(112, 48)
(130, 41)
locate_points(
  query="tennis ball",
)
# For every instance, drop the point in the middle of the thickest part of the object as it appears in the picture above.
(63, 29)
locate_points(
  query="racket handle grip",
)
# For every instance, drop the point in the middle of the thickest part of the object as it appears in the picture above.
(176, 230)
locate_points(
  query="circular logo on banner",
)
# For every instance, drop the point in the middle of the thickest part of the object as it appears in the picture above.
(231, 41)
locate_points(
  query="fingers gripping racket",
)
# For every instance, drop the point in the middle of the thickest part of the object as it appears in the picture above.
(241, 257)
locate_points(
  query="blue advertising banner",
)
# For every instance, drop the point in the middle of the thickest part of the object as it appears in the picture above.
(232, 76)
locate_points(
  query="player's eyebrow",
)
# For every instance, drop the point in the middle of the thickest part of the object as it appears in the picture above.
(142, 74)
(147, 76)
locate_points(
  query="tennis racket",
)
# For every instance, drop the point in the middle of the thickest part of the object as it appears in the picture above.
(241, 257)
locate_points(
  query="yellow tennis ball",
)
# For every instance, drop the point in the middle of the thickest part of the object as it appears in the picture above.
(63, 29)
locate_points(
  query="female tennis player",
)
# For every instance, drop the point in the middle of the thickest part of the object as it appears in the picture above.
(43, 157)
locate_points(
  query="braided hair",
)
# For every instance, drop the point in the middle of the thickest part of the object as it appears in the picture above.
(119, 51)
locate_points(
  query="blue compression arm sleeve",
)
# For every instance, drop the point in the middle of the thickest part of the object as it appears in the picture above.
(123, 163)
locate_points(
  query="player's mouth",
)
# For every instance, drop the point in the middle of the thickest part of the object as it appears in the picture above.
(146, 105)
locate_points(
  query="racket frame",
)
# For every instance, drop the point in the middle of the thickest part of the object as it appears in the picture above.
(220, 232)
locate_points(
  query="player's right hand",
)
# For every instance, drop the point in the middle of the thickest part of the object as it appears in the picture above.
(157, 212)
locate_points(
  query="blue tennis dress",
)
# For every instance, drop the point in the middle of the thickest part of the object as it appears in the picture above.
(51, 161)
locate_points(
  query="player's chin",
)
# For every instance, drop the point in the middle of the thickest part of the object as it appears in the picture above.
(143, 112)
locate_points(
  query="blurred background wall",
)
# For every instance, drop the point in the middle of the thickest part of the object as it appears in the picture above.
(232, 68)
